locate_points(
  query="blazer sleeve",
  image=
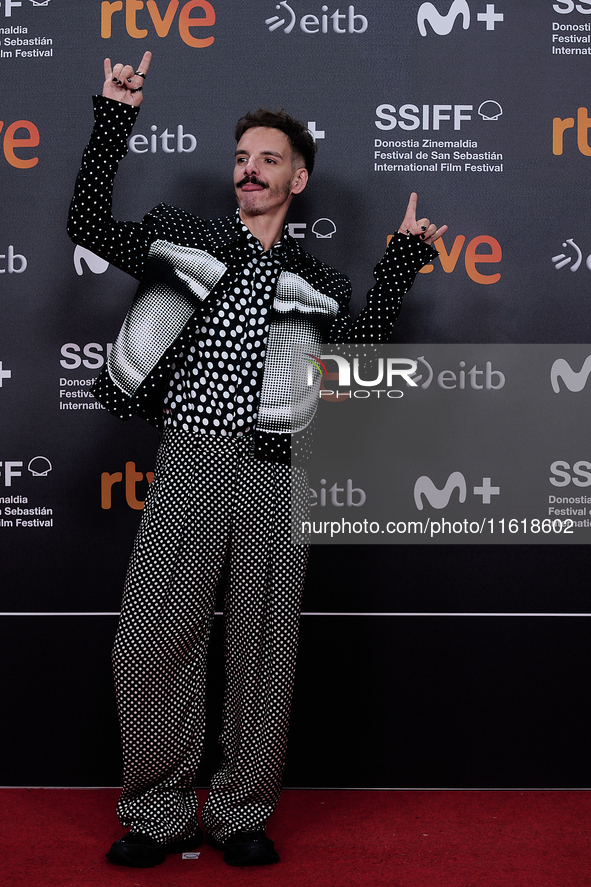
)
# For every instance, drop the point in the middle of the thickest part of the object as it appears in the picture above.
(394, 276)
(90, 221)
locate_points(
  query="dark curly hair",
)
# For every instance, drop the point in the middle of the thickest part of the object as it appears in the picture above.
(300, 140)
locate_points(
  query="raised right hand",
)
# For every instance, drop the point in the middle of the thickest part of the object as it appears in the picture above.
(423, 228)
(123, 84)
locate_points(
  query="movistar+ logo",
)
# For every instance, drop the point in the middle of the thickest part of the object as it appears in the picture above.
(561, 369)
(440, 498)
(459, 9)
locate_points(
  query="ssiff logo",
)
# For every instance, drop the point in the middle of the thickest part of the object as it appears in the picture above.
(459, 9)
(565, 7)
(323, 229)
(410, 117)
(9, 5)
(38, 466)
(162, 23)
(93, 356)
(349, 22)
(574, 381)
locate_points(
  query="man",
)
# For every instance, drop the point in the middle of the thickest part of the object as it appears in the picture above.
(204, 355)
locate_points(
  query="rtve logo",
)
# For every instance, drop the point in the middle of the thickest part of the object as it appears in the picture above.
(161, 23)
(444, 24)
(349, 22)
(11, 144)
(574, 381)
(472, 257)
(440, 498)
(559, 127)
(132, 478)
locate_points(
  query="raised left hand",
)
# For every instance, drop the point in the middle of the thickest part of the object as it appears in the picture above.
(123, 83)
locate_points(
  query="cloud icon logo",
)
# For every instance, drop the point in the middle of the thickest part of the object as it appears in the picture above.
(40, 466)
(324, 228)
(490, 110)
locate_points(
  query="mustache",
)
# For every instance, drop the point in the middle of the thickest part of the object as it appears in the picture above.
(251, 180)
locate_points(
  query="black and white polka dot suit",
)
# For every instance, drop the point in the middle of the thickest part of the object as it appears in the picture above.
(204, 353)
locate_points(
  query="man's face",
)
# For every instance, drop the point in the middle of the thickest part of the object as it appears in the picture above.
(264, 177)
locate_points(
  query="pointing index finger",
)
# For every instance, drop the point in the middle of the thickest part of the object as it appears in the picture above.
(145, 62)
(411, 209)
(108, 69)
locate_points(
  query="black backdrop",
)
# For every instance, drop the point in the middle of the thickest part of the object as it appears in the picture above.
(447, 667)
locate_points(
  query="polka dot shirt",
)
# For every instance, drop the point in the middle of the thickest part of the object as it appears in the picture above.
(215, 384)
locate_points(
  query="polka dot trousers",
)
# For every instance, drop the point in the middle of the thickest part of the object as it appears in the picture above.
(210, 503)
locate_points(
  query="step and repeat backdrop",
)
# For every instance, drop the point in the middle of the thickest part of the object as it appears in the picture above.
(435, 663)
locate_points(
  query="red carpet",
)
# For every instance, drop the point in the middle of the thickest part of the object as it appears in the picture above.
(57, 838)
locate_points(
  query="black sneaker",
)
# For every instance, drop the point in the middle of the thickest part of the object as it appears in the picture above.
(246, 848)
(142, 852)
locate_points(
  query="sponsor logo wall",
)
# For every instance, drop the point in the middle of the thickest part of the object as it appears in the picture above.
(482, 108)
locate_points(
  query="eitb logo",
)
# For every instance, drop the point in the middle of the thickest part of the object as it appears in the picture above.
(327, 21)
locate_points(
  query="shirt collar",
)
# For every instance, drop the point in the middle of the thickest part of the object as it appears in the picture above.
(277, 250)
